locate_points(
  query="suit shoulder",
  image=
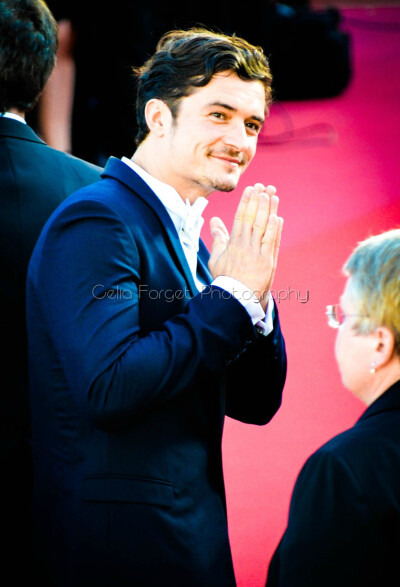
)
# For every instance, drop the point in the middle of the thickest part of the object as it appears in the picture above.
(340, 453)
(94, 200)
(368, 454)
(76, 164)
(341, 448)
(43, 171)
(368, 434)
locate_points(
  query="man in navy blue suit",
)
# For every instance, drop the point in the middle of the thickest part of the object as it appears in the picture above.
(141, 342)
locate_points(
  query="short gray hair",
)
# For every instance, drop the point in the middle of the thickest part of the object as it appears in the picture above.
(374, 267)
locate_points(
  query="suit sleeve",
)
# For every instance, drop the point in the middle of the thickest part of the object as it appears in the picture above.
(328, 539)
(88, 282)
(257, 377)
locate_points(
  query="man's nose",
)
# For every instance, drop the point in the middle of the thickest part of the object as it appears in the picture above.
(236, 136)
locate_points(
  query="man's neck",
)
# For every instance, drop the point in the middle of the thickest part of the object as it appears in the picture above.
(13, 116)
(146, 157)
(20, 113)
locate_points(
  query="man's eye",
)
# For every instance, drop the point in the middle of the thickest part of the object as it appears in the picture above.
(253, 126)
(219, 115)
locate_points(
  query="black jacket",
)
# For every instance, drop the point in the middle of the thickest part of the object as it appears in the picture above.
(344, 520)
(34, 179)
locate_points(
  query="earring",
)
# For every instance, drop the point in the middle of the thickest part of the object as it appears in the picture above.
(373, 367)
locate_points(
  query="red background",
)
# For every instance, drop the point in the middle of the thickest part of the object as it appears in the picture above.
(335, 164)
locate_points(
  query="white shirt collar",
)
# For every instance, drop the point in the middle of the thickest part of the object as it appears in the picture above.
(13, 116)
(186, 217)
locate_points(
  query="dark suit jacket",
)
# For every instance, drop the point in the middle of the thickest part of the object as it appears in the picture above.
(344, 520)
(132, 373)
(34, 179)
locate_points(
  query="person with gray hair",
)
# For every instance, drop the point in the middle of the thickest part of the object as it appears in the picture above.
(344, 519)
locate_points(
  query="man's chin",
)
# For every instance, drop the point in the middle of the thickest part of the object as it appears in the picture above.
(224, 188)
(219, 184)
(225, 184)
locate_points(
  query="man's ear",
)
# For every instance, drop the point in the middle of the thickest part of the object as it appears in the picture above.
(384, 346)
(158, 116)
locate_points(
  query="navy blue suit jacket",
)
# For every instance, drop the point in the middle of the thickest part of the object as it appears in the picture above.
(344, 520)
(132, 372)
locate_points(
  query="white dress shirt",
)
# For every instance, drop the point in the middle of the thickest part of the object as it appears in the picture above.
(188, 222)
(14, 116)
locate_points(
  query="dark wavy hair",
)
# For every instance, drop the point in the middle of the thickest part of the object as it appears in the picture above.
(28, 47)
(186, 60)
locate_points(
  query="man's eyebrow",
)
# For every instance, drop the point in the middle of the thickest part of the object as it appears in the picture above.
(259, 119)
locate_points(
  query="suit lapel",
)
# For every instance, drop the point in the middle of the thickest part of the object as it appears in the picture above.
(118, 170)
(202, 264)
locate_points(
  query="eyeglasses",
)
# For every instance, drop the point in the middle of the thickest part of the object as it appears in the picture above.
(336, 315)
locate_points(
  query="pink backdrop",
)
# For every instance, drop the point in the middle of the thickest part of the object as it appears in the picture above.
(338, 178)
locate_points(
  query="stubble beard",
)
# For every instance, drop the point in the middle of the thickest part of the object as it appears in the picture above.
(226, 182)
(216, 184)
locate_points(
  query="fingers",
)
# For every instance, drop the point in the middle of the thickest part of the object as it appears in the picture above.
(271, 243)
(256, 229)
(262, 203)
(251, 218)
(270, 190)
(241, 213)
(278, 238)
(274, 204)
(220, 235)
(250, 253)
(256, 223)
(216, 225)
(270, 236)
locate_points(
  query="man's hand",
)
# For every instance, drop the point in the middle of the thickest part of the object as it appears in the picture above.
(250, 253)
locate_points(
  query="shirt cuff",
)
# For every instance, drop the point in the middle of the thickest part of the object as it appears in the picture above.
(261, 320)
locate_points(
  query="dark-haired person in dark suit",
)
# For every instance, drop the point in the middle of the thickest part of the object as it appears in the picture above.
(34, 179)
(344, 519)
(140, 341)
